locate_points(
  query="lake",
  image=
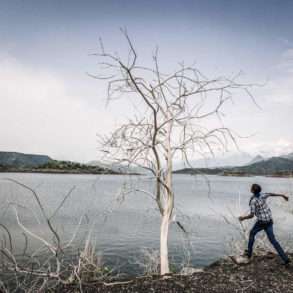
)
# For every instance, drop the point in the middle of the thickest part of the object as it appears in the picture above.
(124, 228)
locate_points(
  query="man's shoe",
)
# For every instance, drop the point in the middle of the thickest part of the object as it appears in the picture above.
(287, 263)
(245, 253)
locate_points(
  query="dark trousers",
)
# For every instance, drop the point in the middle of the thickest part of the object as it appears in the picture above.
(268, 227)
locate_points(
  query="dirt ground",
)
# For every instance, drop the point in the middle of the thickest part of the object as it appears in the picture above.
(263, 274)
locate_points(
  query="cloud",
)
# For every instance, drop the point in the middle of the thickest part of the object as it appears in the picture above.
(279, 88)
(39, 115)
(288, 54)
(286, 62)
(273, 148)
(42, 112)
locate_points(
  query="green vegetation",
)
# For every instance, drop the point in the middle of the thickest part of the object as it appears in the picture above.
(276, 166)
(18, 162)
(72, 167)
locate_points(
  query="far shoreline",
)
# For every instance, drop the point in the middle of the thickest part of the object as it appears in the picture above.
(245, 175)
(78, 172)
(66, 172)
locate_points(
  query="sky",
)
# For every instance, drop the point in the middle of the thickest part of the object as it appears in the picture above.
(50, 105)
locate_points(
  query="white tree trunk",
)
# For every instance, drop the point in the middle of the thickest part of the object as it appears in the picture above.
(168, 207)
(164, 244)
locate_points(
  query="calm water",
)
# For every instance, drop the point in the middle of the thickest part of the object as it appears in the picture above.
(123, 227)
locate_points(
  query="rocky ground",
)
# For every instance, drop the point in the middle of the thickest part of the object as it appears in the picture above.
(264, 274)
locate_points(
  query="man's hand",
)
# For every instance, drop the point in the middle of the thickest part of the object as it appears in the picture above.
(241, 218)
(286, 197)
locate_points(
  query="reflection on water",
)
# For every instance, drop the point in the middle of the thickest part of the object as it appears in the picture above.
(123, 227)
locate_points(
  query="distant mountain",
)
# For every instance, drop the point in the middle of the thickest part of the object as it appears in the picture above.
(117, 167)
(276, 166)
(18, 162)
(13, 159)
(256, 159)
(220, 161)
(289, 156)
(200, 171)
(272, 166)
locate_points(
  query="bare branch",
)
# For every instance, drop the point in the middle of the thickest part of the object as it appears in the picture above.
(173, 109)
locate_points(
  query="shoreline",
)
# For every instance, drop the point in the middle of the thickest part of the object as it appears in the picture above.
(264, 273)
(69, 172)
(236, 175)
(85, 172)
(221, 276)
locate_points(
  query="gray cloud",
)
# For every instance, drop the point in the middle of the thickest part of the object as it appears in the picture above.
(49, 105)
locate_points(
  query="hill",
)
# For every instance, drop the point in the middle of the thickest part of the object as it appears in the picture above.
(276, 166)
(68, 167)
(119, 168)
(13, 159)
(19, 162)
(289, 156)
(272, 166)
(256, 159)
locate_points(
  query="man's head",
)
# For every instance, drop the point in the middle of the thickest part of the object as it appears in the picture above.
(255, 188)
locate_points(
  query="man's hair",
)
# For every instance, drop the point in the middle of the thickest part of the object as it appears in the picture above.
(255, 188)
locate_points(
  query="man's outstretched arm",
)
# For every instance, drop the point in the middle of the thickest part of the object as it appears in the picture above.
(247, 217)
(286, 197)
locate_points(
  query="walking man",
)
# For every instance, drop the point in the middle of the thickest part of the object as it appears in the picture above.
(260, 209)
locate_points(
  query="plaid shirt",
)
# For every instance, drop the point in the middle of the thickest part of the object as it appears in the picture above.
(259, 207)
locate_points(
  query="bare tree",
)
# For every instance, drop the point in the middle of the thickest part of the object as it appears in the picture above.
(47, 268)
(169, 123)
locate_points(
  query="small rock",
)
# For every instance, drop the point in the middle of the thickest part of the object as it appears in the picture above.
(238, 259)
(190, 270)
